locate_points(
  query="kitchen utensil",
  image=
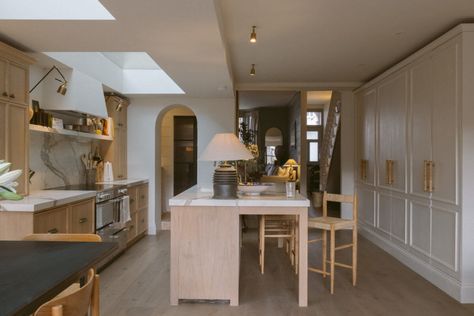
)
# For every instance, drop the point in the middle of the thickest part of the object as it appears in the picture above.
(84, 160)
(108, 173)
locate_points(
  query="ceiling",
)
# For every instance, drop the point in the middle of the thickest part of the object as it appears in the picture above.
(259, 99)
(204, 45)
(331, 40)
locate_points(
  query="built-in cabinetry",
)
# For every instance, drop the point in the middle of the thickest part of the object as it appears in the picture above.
(77, 217)
(14, 111)
(138, 211)
(411, 153)
(116, 151)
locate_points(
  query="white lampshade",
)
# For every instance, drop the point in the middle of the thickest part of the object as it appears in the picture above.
(225, 147)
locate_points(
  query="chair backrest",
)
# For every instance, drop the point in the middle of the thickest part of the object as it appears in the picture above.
(73, 303)
(64, 237)
(341, 198)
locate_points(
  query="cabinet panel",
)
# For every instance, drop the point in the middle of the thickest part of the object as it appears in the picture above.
(399, 219)
(132, 227)
(81, 217)
(421, 100)
(3, 79)
(133, 194)
(3, 130)
(142, 196)
(17, 83)
(367, 206)
(53, 221)
(17, 142)
(444, 236)
(142, 222)
(384, 213)
(420, 224)
(445, 123)
(368, 134)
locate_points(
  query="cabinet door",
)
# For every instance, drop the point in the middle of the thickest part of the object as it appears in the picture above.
(142, 222)
(17, 83)
(368, 139)
(366, 206)
(421, 99)
(121, 152)
(133, 194)
(17, 142)
(81, 218)
(3, 79)
(445, 123)
(384, 212)
(132, 227)
(3, 131)
(53, 221)
(142, 196)
(392, 107)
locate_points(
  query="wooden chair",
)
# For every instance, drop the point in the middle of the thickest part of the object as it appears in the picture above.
(281, 227)
(333, 224)
(74, 301)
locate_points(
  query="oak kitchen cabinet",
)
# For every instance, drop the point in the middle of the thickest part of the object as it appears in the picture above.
(138, 226)
(413, 205)
(116, 151)
(14, 77)
(76, 217)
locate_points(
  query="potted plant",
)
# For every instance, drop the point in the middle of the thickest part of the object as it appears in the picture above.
(8, 182)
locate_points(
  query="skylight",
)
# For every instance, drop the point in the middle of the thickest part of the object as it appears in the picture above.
(54, 10)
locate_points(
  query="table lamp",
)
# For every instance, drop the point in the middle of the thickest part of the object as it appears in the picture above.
(225, 147)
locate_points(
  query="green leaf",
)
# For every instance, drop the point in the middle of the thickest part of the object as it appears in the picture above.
(10, 196)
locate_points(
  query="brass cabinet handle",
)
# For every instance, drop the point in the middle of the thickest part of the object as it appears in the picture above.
(132, 200)
(5, 94)
(389, 171)
(83, 220)
(363, 169)
(53, 231)
(428, 166)
(12, 96)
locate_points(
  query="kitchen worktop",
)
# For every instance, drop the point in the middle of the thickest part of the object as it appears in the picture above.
(196, 196)
(127, 182)
(44, 199)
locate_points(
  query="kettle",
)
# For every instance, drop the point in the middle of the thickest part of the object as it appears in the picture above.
(108, 172)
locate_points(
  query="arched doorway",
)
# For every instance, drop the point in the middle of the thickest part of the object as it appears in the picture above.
(176, 156)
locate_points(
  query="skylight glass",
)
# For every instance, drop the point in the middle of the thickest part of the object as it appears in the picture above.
(53, 10)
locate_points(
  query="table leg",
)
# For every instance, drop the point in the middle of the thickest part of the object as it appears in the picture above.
(303, 258)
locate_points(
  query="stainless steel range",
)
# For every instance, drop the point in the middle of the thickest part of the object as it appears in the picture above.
(110, 201)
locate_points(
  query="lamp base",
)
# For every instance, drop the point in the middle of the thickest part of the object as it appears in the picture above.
(225, 191)
(225, 183)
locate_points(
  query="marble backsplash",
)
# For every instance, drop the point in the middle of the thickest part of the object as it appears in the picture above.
(56, 159)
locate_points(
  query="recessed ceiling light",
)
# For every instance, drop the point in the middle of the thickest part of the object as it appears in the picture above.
(253, 35)
(252, 70)
(54, 10)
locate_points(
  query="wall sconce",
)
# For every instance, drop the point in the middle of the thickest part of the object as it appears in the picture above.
(253, 35)
(252, 70)
(62, 89)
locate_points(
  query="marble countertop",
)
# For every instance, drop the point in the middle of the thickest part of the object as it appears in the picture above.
(196, 196)
(127, 182)
(44, 199)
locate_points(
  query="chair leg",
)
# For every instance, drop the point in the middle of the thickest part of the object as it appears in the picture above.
(333, 257)
(57, 310)
(95, 307)
(262, 243)
(296, 244)
(354, 256)
(325, 251)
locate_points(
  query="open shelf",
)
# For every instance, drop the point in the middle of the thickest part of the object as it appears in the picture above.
(44, 129)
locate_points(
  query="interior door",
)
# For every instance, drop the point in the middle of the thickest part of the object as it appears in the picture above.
(185, 153)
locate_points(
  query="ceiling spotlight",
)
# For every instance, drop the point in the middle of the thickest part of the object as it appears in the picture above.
(253, 35)
(252, 70)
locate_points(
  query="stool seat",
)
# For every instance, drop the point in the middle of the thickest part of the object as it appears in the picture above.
(326, 222)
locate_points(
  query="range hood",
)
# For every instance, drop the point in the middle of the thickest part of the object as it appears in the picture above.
(84, 94)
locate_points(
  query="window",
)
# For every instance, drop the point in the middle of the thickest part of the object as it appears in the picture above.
(313, 151)
(270, 155)
(313, 135)
(313, 118)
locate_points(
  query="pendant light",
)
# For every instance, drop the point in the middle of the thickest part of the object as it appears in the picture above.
(253, 35)
(252, 70)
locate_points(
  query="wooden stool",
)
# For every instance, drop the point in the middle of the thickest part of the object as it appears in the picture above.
(333, 224)
(281, 227)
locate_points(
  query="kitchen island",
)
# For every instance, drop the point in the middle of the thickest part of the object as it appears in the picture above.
(205, 242)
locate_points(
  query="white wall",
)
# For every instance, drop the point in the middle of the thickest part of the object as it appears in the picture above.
(347, 148)
(213, 116)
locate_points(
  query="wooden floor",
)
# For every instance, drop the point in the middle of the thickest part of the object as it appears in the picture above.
(137, 283)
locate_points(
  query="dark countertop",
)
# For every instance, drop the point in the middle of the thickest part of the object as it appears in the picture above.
(33, 272)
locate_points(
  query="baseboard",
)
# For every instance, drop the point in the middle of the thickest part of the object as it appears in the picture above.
(445, 282)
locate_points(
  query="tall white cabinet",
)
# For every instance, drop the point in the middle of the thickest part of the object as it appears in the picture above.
(415, 152)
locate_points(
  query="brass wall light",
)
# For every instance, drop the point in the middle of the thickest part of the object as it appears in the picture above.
(62, 89)
(253, 35)
(252, 70)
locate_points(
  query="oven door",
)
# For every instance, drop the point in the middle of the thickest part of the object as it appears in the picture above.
(106, 213)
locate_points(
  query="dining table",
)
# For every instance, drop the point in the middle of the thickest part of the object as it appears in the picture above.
(34, 272)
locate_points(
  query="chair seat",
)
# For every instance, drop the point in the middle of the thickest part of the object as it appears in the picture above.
(326, 222)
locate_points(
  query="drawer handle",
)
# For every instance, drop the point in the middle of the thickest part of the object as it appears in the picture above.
(143, 221)
(389, 171)
(83, 220)
(5, 94)
(12, 96)
(428, 176)
(131, 227)
(53, 231)
(132, 200)
(142, 197)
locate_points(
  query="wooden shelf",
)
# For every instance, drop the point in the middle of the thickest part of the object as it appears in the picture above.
(66, 132)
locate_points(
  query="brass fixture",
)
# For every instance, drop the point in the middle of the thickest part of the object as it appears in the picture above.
(253, 35)
(428, 166)
(363, 169)
(252, 70)
(389, 171)
(62, 89)
(118, 98)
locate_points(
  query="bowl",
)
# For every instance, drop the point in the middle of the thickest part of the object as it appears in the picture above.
(254, 189)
